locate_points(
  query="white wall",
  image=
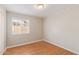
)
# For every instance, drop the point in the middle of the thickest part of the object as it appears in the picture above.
(62, 26)
(2, 29)
(35, 30)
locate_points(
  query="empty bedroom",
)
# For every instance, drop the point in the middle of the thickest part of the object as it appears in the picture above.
(39, 29)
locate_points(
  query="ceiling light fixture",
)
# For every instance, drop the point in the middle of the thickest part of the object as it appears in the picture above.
(40, 6)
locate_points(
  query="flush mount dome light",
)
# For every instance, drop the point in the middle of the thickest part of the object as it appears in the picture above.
(40, 6)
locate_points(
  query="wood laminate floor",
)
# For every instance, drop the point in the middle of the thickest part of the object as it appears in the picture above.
(38, 48)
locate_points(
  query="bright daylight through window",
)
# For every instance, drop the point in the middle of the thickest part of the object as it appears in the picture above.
(20, 26)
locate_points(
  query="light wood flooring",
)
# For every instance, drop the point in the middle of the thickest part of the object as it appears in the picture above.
(38, 48)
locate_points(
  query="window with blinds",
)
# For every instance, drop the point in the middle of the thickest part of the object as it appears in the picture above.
(20, 26)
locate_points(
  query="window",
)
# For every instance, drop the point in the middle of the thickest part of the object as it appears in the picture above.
(20, 26)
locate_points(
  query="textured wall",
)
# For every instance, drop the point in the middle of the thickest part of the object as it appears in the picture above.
(35, 30)
(62, 26)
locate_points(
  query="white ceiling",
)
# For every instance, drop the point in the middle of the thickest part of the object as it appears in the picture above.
(30, 10)
(26, 9)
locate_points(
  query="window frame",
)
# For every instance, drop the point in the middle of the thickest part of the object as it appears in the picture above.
(28, 25)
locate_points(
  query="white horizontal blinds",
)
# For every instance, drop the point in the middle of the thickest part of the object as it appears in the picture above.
(20, 26)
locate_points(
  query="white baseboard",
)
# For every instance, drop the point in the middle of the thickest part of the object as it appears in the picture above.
(24, 43)
(1, 53)
(61, 47)
(41, 40)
